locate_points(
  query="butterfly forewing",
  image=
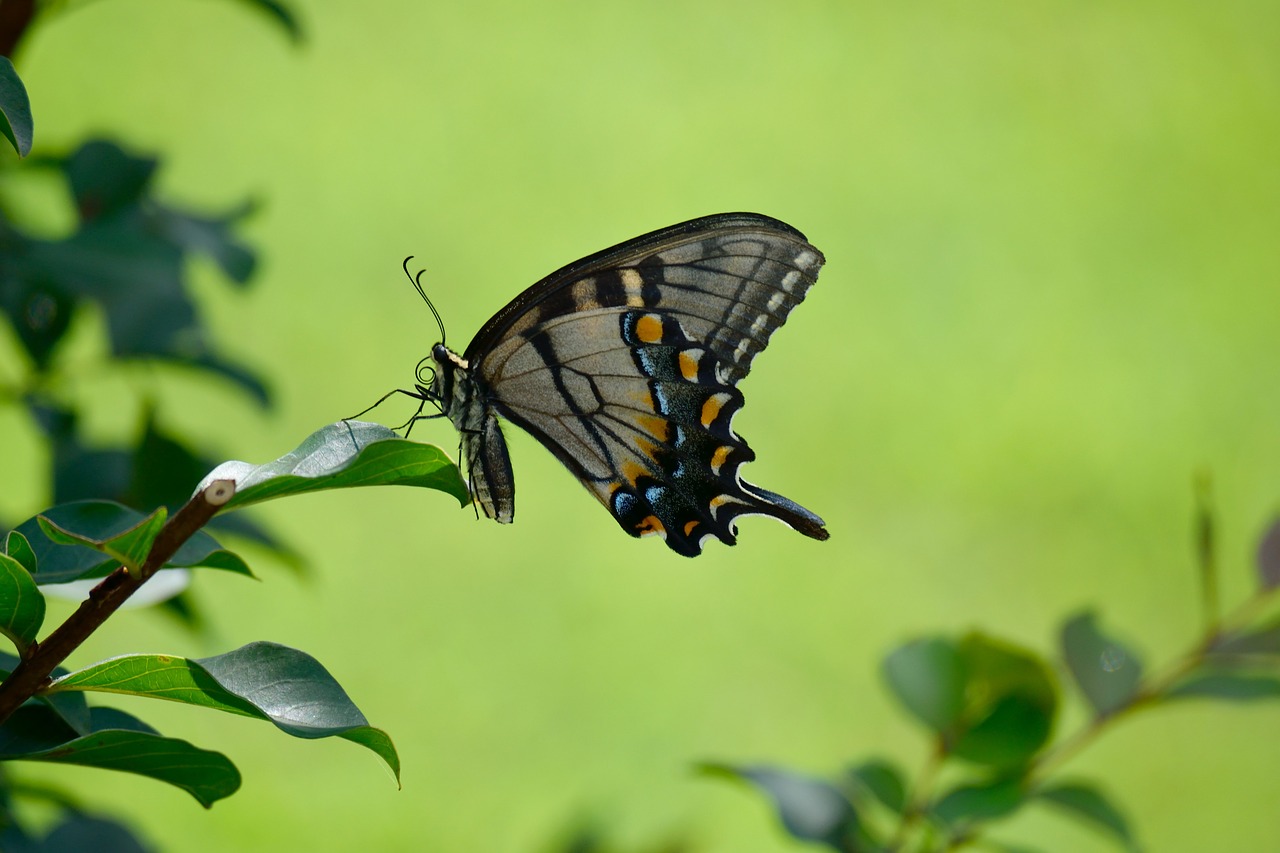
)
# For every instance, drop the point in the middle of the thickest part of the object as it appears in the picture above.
(625, 366)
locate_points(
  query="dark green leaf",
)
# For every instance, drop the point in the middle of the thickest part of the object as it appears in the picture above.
(118, 742)
(37, 310)
(1269, 557)
(104, 179)
(281, 14)
(1011, 702)
(969, 804)
(1013, 730)
(272, 682)
(1262, 642)
(77, 833)
(928, 677)
(17, 546)
(344, 455)
(882, 780)
(1087, 802)
(129, 546)
(1108, 673)
(21, 604)
(15, 109)
(211, 236)
(810, 809)
(1230, 686)
(103, 520)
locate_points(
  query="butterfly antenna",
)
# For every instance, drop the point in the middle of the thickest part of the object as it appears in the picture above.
(417, 284)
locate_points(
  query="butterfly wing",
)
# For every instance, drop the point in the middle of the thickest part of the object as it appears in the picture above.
(625, 365)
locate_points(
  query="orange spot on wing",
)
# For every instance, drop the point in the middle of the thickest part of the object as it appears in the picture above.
(689, 526)
(711, 408)
(649, 329)
(632, 471)
(689, 365)
(658, 427)
(650, 525)
(720, 457)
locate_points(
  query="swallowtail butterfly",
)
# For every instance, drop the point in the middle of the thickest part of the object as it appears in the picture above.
(625, 365)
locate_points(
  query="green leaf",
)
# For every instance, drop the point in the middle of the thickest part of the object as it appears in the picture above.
(1107, 673)
(129, 547)
(1269, 557)
(101, 520)
(118, 742)
(1230, 686)
(212, 236)
(1087, 802)
(287, 687)
(810, 809)
(1262, 642)
(104, 179)
(882, 780)
(15, 109)
(969, 804)
(339, 456)
(77, 832)
(19, 548)
(21, 604)
(928, 677)
(1010, 703)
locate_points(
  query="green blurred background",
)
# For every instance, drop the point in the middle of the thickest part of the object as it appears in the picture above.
(1051, 298)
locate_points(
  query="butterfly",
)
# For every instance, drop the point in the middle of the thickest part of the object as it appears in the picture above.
(625, 365)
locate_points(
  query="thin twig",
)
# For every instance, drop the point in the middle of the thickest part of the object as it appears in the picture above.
(33, 673)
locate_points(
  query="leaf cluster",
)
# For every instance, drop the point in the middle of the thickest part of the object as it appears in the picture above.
(44, 715)
(989, 709)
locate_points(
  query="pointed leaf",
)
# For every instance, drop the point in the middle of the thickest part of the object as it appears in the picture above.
(969, 804)
(103, 520)
(1263, 642)
(212, 236)
(810, 809)
(344, 455)
(1086, 801)
(19, 548)
(1231, 686)
(928, 677)
(128, 547)
(884, 781)
(15, 109)
(287, 687)
(1107, 673)
(1269, 557)
(119, 742)
(21, 604)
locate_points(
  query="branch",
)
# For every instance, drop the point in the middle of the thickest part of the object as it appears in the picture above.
(33, 673)
(15, 17)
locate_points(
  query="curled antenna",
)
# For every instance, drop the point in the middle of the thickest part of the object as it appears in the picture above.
(417, 284)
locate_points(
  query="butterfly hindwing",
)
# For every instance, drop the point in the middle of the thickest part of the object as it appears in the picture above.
(625, 365)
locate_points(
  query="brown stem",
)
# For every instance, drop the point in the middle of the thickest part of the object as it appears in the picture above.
(33, 673)
(15, 17)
